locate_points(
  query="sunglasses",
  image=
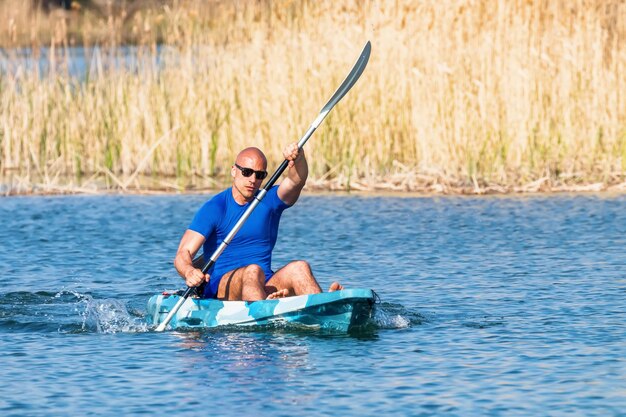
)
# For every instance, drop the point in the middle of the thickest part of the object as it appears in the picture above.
(246, 172)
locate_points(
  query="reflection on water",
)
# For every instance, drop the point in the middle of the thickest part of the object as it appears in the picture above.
(252, 365)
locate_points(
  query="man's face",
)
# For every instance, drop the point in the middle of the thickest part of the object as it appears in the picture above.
(248, 186)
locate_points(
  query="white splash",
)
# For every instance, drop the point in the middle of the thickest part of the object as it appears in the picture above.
(105, 316)
(386, 320)
(110, 316)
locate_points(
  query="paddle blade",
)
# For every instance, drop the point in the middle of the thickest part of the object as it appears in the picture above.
(347, 84)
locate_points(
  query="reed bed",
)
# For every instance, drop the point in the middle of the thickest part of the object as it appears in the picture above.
(471, 96)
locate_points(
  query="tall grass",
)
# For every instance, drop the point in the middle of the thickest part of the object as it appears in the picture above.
(469, 95)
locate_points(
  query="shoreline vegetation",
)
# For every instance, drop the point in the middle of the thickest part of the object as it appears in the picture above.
(462, 97)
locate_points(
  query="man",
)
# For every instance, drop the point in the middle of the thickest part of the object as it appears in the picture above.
(243, 271)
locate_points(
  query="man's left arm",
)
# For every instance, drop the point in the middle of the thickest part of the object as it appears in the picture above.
(297, 173)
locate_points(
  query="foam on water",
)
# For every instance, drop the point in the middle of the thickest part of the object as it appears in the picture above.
(394, 316)
(384, 320)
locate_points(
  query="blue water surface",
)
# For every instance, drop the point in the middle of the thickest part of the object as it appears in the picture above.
(510, 306)
(82, 63)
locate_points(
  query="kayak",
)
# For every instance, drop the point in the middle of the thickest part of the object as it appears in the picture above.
(338, 311)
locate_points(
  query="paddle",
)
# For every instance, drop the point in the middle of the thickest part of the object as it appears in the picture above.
(343, 89)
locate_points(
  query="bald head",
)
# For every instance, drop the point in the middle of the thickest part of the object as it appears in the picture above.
(251, 157)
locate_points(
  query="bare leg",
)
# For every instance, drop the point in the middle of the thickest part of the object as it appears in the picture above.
(247, 284)
(297, 278)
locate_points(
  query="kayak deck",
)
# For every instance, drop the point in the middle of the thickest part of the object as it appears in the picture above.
(339, 311)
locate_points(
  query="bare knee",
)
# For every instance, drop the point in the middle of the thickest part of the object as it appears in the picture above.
(300, 267)
(300, 278)
(254, 274)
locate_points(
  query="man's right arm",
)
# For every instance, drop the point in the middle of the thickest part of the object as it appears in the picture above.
(187, 249)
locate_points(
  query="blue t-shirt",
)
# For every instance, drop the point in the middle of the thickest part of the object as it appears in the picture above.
(254, 242)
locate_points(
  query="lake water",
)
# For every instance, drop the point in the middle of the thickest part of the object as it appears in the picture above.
(509, 306)
(81, 62)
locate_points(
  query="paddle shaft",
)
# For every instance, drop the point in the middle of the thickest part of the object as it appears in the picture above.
(343, 89)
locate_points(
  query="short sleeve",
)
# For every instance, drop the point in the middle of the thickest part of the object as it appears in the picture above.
(276, 204)
(205, 219)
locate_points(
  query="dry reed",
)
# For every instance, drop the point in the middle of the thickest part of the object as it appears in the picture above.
(467, 95)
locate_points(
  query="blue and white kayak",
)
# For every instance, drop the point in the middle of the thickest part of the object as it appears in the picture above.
(338, 311)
